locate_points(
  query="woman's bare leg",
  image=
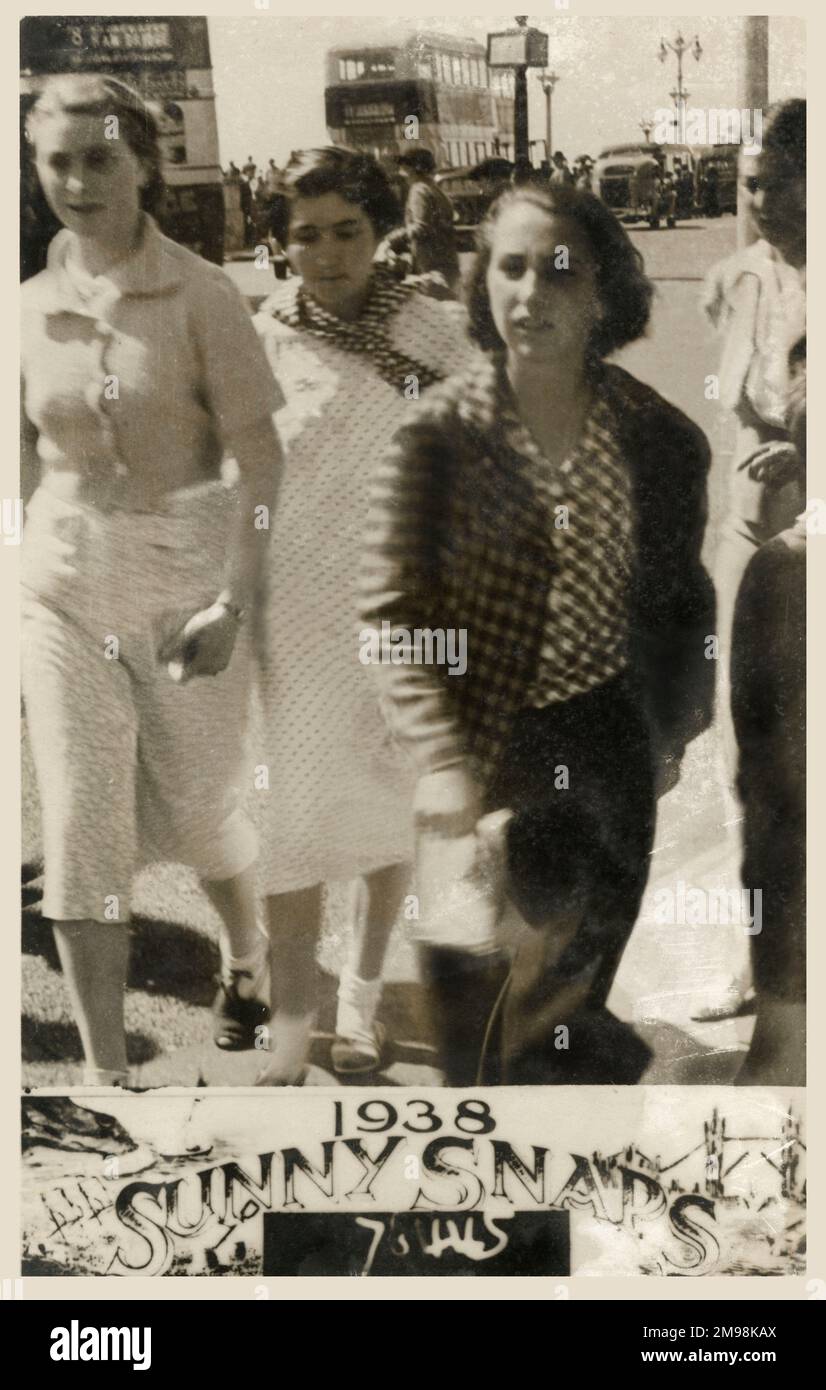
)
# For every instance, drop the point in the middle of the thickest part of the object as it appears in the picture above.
(377, 900)
(94, 957)
(234, 900)
(294, 921)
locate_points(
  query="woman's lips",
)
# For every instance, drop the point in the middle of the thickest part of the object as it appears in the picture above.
(532, 326)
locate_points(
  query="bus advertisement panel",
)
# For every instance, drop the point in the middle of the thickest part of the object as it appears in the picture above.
(167, 59)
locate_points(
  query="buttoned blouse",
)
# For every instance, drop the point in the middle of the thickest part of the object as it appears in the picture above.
(143, 374)
(590, 521)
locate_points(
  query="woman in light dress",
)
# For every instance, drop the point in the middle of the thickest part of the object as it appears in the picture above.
(351, 348)
(140, 366)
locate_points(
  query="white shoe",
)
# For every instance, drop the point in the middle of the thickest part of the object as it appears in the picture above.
(359, 1038)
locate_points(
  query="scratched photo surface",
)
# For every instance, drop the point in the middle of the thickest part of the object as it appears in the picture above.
(413, 531)
(641, 1181)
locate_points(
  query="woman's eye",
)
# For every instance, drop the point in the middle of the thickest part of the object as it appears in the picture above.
(59, 162)
(347, 235)
(751, 184)
(513, 267)
(98, 159)
(305, 238)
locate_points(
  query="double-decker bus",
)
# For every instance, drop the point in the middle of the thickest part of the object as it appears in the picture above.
(463, 108)
(167, 60)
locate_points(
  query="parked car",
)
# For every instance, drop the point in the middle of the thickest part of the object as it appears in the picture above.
(471, 190)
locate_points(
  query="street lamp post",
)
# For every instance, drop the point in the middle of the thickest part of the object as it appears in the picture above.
(646, 126)
(681, 95)
(548, 81)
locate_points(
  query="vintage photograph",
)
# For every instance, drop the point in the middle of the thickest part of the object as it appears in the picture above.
(657, 1181)
(413, 553)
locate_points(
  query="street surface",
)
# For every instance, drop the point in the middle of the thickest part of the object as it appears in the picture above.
(667, 969)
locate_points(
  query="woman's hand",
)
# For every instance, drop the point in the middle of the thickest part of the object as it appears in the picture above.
(774, 464)
(204, 646)
(448, 802)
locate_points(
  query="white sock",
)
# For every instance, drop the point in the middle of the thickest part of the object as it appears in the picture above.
(358, 1001)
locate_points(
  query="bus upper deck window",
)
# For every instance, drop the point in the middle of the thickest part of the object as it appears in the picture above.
(465, 71)
(457, 72)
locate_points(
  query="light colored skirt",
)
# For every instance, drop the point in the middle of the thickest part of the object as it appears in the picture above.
(131, 767)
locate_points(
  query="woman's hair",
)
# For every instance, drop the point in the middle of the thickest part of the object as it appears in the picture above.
(357, 178)
(784, 133)
(796, 398)
(624, 289)
(94, 95)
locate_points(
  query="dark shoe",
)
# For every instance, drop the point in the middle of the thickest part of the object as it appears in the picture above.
(600, 1050)
(236, 1020)
(463, 992)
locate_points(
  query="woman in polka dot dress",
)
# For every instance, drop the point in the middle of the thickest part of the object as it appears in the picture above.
(350, 348)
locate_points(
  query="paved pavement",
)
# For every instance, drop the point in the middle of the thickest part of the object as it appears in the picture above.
(667, 968)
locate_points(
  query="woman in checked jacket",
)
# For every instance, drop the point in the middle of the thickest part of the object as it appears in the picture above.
(554, 507)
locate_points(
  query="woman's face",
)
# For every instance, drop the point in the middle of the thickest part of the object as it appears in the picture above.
(775, 195)
(93, 185)
(331, 244)
(542, 285)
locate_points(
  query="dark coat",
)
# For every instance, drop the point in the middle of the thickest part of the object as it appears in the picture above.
(458, 537)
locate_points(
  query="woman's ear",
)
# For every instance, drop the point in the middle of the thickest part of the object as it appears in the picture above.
(145, 175)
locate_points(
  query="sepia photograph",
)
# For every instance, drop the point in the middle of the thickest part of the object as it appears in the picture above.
(413, 531)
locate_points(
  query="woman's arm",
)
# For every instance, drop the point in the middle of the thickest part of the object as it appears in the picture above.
(257, 451)
(676, 605)
(29, 459)
(400, 592)
(242, 394)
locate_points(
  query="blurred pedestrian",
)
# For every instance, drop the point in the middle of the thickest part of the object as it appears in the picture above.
(757, 301)
(428, 218)
(561, 173)
(768, 693)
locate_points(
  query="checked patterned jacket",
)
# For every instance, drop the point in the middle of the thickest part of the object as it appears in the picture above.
(459, 536)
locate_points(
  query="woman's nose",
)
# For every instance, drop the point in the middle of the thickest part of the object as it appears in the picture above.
(74, 181)
(327, 254)
(528, 286)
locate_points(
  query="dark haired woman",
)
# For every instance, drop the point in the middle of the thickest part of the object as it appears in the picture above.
(140, 365)
(554, 507)
(757, 300)
(351, 348)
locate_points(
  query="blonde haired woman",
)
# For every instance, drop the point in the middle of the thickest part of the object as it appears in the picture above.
(140, 566)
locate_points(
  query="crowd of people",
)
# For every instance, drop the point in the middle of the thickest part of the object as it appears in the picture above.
(400, 463)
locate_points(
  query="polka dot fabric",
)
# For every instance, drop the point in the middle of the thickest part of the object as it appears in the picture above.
(340, 790)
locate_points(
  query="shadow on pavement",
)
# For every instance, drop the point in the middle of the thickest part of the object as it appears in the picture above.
(165, 958)
(56, 1041)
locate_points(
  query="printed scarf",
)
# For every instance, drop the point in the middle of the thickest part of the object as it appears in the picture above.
(370, 334)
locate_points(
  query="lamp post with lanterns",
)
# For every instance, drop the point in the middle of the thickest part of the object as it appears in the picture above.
(680, 95)
(548, 81)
